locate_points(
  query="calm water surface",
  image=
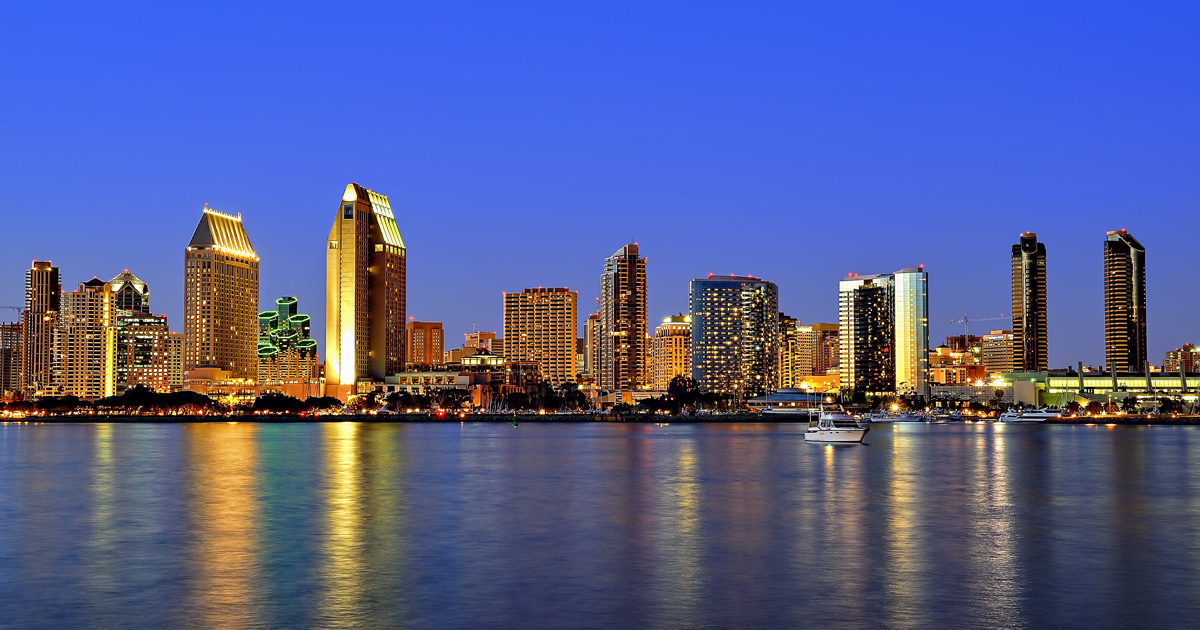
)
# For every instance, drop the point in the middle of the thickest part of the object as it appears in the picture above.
(590, 525)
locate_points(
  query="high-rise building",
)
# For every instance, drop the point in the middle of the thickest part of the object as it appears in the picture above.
(735, 335)
(175, 361)
(220, 297)
(866, 327)
(912, 331)
(671, 351)
(623, 351)
(823, 341)
(1029, 304)
(884, 332)
(365, 293)
(137, 353)
(790, 342)
(591, 345)
(805, 350)
(10, 359)
(39, 325)
(1001, 352)
(130, 293)
(1124, 302)
(84, 320)
(287, 353)
(539, 326)
(1186, 359)
(425, 343)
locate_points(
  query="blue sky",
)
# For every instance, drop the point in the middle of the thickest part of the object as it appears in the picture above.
(521, 143)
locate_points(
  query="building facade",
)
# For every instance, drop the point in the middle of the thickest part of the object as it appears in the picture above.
(1124, 302)
(1185, 359)
(1029, 304)
(623, 325)
(10, 359)
(137, 353)
(539, 326)
(365, 292)
(735, 335)
(220, 297)
(39, 327)
(175, 361)
(884, 332)
(671, 351)
(130, 293)
(287, 353)
(1001, 350)
(425, 343)
(86, 316)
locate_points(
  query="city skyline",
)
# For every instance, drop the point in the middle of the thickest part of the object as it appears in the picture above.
(802, 117)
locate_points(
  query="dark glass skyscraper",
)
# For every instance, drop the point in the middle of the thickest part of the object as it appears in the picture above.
(623, 352)
(1029, 304)
(1124, 302)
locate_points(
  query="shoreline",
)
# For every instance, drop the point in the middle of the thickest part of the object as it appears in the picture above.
(507, 418)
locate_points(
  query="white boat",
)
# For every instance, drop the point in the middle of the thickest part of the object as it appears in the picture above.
(1037, 415)
(835, 427)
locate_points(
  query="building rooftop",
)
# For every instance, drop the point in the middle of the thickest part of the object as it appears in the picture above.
(223, 232)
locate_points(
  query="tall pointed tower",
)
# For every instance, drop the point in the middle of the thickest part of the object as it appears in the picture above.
(220, 297)
(365, 303)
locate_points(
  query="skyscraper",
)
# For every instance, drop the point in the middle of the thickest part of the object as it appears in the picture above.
(86, 316)
(137, 353)
(1029, 304)
(425, 343)
(623, 350)
(130, 293)
(884, 332)
(866, 325)
(220, 297)
(791, 346)
(10, 359)
(1124, 302)
(671, 350)
(911, 319)
(39, 323)
(735, 335)
(539, 326)
(591, 345)
(365, 293)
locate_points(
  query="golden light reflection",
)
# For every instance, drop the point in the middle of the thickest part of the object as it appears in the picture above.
(906, 597)
(344, 544)
(993, 535)
(102, 543)
(225, 508)
(677, 539)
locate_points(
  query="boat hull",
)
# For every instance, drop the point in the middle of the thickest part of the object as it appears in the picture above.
(836, 436)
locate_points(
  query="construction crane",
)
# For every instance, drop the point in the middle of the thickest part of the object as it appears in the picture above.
(966, 321)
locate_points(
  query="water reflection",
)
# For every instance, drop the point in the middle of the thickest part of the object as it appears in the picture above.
(224, 510)
(906, 562)
(548, 526)
(344, 544)
(102, 542)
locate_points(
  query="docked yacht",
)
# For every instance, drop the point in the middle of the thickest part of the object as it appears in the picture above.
(835, 427)
(1037, 415)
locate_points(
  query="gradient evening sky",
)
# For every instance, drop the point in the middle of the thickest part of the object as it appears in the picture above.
(522, 143)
